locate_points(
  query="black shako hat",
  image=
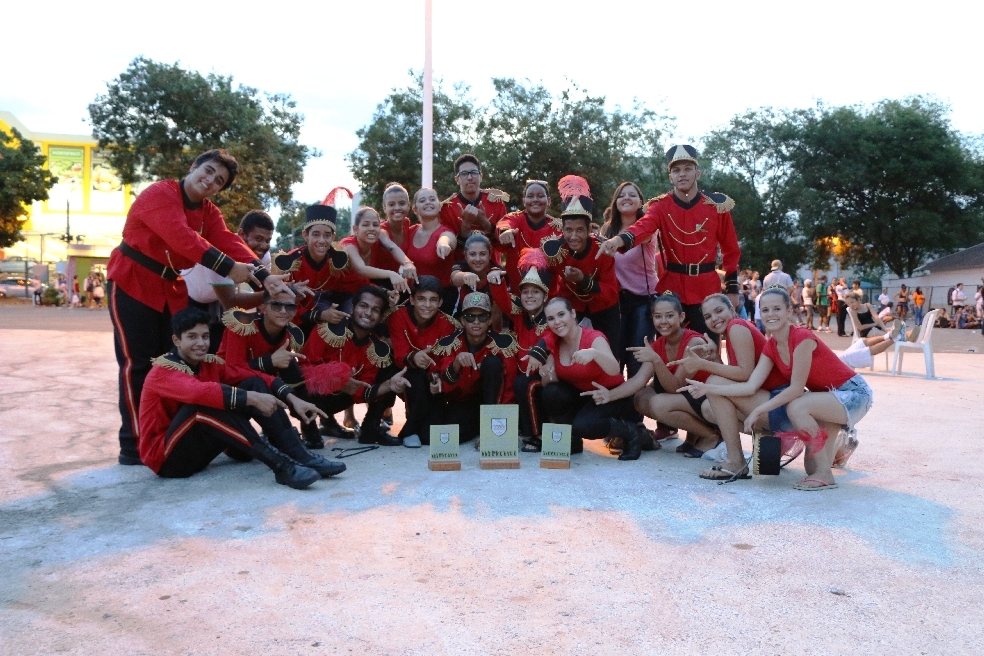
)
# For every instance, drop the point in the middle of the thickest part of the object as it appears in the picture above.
(319, 215)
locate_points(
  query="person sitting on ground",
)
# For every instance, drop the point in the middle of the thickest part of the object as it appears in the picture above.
(356, 344)
(315, 268)
(189, 414)
(575, 364)
(587, 282)
(835, 396)
(527, 228)
(660, 401)
(529, 322)
(475, 367)
(476, 272)
(886, 315)
(414, 330)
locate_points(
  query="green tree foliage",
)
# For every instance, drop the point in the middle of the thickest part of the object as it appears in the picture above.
(158, 117)
(23, 180)
(749, 160)
(895, 180)
(526, 133)
(390, 146)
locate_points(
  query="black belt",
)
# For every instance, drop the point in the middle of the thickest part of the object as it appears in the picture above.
(690, 269)
(148, 262)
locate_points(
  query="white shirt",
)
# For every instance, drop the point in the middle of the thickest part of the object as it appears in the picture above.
(778, 277)
(884, 299)
(201, 282)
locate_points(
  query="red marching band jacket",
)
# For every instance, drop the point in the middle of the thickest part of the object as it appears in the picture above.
(336, 343)
(466, 383)
(599, 289)
(321, 277)
(246, 349)
(408, 338)
(163, 227)
(171, 384)
(528, 332)
(691, 234)
(526, 237)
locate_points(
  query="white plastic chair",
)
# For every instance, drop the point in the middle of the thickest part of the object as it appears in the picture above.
(923, 343)
(857, 336)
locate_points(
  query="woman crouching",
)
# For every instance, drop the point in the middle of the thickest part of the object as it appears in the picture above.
(812, 416)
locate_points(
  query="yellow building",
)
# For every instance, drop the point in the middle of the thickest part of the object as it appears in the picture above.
(88, 201)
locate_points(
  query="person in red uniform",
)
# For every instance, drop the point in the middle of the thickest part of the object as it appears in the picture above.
(372, 257)
(414, 330)
(368, 356)
(820, 396)
(579, 363)
(472, 209)
(430, 245)
(319, 267)
(529, 323)
(693, 225)
(476, 272)
(477, 367)
(528, 228)
(172, 225)
(190, 414)
(588, 282)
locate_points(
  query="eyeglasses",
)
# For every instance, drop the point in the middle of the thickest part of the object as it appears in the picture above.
(481, 317)
(542, 183)
(277, 306)
(469, 174)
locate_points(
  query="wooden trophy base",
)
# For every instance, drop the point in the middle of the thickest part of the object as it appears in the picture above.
(554, 464)
(499, 464)
(444, 465)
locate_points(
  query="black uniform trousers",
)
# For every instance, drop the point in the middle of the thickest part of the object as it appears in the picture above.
(609, 322)
(332, 403)
(140, 334)
(467, 413)
(529, 392)
(563, 403)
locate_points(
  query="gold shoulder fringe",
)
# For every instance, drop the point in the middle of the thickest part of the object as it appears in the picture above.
(296, 337)
(497, 196)
(556, 223)
(444, 347)
(504, 343)
(382, 359)
(337, 260)
(163, 361)
(558, 249)
(332, 339)
(233, 320)
(212, 358)
(656, 199)
(516, 307)
(722, 206)
(454, 322)
(294, 265)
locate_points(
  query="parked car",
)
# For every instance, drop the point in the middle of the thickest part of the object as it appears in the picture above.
(14, 288)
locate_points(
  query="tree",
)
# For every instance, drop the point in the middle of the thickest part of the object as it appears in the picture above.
(894, 180)
(23, 180)
(158, 117)
(526, 133)
(390, 146)
(749, 160)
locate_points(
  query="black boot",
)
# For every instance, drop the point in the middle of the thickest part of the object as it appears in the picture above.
(632, 448)
(378, 436)
(312, 437)
(288, 472)
(331, 428)
(290, 444)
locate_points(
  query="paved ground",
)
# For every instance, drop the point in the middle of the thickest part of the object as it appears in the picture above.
(609, 557)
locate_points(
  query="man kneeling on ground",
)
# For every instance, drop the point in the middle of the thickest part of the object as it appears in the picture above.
(188, 416)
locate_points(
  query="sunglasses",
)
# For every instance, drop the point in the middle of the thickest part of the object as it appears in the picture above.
(278, 306)
(472, 318)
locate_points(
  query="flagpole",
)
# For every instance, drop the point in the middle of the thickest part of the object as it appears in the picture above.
(427, 156)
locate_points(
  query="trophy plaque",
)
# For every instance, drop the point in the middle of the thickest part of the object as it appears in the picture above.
(556, 450)
(444, 448)
(499, 437)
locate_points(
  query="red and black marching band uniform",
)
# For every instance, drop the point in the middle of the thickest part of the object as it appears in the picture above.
(188, 416)
(408, 338)
(371, 361)
(526, 389)
(247, 348)
(596, 296)
(164, 233)
(491, 202)
(691, 234)
(463, 394)
(324, 278)
(528, 236)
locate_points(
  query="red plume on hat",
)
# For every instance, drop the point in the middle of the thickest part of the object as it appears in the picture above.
(533, 267)
(327, 378)
(573, 185)
(575, 197)
(333, 194)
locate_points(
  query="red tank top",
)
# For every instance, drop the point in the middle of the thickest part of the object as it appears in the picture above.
(582, 375)
(774, 379)
(659, 345)
(426, 259)
(827, 371)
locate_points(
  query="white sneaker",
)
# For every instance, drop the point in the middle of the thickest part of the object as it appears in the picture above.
(412, 442)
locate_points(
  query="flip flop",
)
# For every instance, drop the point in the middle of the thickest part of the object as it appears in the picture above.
(824, 485)
(694, 452)
(727, 476)
(683, 448)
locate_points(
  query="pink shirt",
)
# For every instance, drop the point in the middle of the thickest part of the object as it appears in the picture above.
(636, 269)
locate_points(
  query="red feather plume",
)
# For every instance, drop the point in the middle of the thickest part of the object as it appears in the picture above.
(325, 379)
(330, 198)
(532, 258)
(573, 185)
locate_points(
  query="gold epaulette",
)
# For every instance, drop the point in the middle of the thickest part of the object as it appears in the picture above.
(240, 322)
(334, 335)
(516, 308)
(497, 196)
(447, 345)
(174, 365)
(722, 202)
(555, 249)
(449, 199)
(296, 337)
(379, 353)
(454, 322)
(504, 343)
(656, 199)
(284, 262)
(556, 223)
(337, 260)
(211, 358)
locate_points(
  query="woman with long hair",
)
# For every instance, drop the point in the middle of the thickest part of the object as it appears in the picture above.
(429, 244)
(836, 397)
(476, 272)
(371, 252)
(581, 363)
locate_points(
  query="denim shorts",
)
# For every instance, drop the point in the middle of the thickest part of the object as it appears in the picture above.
(854, 395)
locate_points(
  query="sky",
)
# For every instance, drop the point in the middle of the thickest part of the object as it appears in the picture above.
(699, 62)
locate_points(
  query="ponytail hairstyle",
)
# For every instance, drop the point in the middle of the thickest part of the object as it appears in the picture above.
(667, 297)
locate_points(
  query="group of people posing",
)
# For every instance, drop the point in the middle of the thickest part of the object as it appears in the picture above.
(469, 304)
